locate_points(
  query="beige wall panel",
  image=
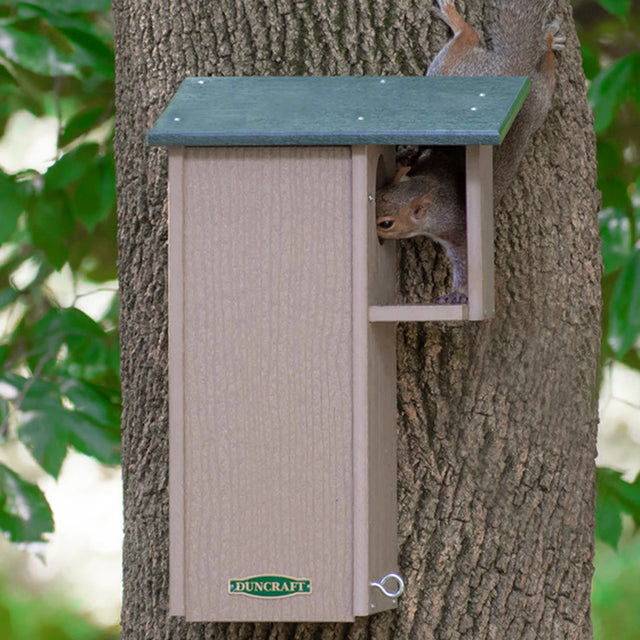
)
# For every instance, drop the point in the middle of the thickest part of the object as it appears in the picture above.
(480, 232)
(382, 403)
(267, 379)
(419, 313)
(176, 391)
(374, 388)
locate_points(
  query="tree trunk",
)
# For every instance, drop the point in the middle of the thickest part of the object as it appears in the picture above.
(497, 420)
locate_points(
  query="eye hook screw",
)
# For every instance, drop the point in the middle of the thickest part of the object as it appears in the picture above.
(390, 594)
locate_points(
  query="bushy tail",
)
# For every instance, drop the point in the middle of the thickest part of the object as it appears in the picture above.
(517, 31)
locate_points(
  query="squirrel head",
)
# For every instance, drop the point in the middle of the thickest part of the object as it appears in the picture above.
(410, 220)
(425, 205)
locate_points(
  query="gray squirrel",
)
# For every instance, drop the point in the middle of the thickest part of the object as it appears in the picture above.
(432, 201)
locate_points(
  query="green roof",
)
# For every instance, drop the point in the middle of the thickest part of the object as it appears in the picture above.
(340, 110)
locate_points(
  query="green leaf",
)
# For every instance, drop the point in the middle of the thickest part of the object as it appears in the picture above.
(615, 231)
(12, 197)
(629, 495)
(624, 327)
(4, 412)
(47, 434)
(6, 77)
(608, 283)
(47, 31)
(51, 226)
(608, 520)
(612, 181)
(95, 194)
(617, 7)
(25, 514)
(590, 62)
(80, 124)
(37, 394)
(615, 192)
(87, 353)
(5, 349)
(612, 87)
(610, 157)
(78, 40)
(98, 441)
(41, 395)
(635, 201)
(71, 166)
(22, 44)
(73, 6)
(99, 53)
(64, 326)
(43, 433)
(48, 428)
(89, 400)
(7, 296)
(113, 354)
(615, 496)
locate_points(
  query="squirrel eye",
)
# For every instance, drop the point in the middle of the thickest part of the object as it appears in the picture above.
(386, 224)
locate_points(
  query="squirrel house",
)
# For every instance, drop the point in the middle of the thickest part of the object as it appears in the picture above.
(282, 371)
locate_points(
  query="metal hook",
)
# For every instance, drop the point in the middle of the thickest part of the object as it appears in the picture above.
(390, 594)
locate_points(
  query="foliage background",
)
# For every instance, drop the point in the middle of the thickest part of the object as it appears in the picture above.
(59, 369)
(59, 378)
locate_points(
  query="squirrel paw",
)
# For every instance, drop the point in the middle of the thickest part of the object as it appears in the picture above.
(554, 38)
(454, 297)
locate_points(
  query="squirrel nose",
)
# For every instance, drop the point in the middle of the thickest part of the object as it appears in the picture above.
(385, 225)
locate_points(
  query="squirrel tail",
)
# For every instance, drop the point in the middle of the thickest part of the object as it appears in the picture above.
(517, 31)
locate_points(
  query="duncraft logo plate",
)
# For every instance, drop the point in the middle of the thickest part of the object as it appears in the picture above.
(269, 586)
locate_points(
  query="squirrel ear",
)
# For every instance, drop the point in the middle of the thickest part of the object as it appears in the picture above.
(420, 205)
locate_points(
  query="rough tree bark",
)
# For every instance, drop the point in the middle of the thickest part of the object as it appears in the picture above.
(497, 420)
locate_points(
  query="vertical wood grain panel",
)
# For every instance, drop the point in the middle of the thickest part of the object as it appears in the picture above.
(381, 356)
(480, 232)
(375, 509)
(176, 391)
(267, 361)
(361, 206)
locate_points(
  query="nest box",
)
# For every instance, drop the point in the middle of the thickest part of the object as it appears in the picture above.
(282, 371)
